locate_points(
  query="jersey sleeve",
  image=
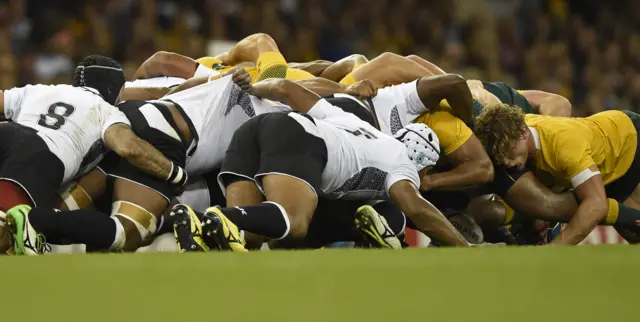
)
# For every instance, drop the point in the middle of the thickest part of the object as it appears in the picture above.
(323, 109)
(403, 172)
(13, 101)
(111, 115)
(571, 156)
(203, 71)
(451, 131)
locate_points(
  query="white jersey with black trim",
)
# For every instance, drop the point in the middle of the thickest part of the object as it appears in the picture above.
(70, 120)
(363, 163)
(217, 109)
(394, 106)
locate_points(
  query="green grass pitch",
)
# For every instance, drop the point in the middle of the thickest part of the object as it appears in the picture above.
(514, 284)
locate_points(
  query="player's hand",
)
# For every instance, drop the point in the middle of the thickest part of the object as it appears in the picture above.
(363, 89)
(242, 78)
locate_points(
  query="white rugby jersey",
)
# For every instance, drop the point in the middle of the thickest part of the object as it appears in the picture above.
(162, 81)
(363, 163)
(71, 120)
(395, 106)
(217, 109)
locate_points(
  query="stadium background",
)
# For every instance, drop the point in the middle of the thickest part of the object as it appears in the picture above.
(586, 50)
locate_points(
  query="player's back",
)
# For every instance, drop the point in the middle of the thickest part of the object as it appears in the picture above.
(361, 159)
(69, 119)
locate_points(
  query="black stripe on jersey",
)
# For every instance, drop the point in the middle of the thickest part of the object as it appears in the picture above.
(238, 97)
(375, 115)
(192, 127)
(395, 122)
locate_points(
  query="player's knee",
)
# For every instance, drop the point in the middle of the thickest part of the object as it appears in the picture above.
(75, 197)
(138, 225)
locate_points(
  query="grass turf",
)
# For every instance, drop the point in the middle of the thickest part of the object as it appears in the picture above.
(483, 284)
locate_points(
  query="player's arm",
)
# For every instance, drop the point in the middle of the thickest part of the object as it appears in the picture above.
(164, 63)
(325, 87)
(196, 81)
(123, 141)
(338, 70)
(548, 103)
(142, 93)
(472, 166)
(424, 215)
(529, 196)
(592, 210)
(451, 87)
(285, 91)
(315, 68)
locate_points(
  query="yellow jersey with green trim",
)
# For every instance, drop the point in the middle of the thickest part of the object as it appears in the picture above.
(567, 147)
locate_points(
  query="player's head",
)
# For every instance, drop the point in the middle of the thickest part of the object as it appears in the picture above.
(503, 132)
(423, 146)
(102, 73)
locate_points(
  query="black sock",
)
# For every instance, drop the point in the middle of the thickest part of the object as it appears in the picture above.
(394, 216)
(627, 217)
(89, 227)
(265, 219)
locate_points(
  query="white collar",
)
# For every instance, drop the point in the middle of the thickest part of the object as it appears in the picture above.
(536, 137)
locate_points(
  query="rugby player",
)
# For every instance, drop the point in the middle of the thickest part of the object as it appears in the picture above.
(58, 133)
(596, 156)
(326, 151)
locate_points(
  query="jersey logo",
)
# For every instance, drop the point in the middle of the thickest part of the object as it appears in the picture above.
(368, 179)
(396, 123)
(238, 97)
(242, 211)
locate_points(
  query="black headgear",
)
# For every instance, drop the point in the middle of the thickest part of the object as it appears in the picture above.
(101, 73)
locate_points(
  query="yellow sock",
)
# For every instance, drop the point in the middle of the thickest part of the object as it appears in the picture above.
(510, 213)
(614, 210)
(348, 80)
(271, 65)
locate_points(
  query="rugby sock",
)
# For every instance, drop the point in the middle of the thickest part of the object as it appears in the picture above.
(267, 219)
(271, 65)
(622, 216)
(395, 218)
(85, 226)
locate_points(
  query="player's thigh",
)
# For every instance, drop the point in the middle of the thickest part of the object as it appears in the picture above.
(27, 164)
(291, 167)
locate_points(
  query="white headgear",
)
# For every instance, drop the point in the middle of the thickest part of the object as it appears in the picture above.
(423, 146)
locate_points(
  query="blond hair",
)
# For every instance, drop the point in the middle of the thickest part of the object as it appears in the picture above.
(499, 127)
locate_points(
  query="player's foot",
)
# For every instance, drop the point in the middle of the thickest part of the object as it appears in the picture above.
(374, 228)
(187, 229)
(25, 239)
(219, 232)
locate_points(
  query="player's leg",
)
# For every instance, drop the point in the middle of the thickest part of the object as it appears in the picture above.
(30, 175)
(340, 69)
(431, 67)
(386, 70)
(138, 208)
(290, 166)
(80, 194)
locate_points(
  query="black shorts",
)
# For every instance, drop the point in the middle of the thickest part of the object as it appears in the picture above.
(623, 187)
(274, 143)
(147, 127)
(26, 160)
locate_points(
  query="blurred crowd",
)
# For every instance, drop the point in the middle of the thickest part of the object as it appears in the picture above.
(586, 50)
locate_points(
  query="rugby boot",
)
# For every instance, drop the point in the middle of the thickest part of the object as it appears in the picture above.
(24, 238)
(221, 233)
(374, 228)
(187, 229)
